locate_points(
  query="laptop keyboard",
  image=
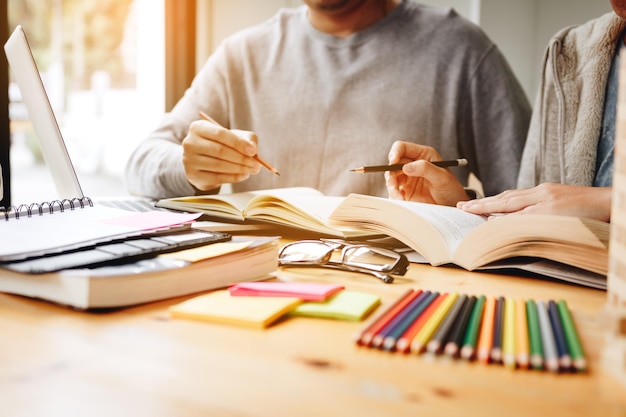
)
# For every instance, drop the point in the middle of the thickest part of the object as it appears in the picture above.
(131, 205)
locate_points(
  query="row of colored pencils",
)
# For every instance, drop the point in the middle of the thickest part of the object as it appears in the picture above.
(516, 333)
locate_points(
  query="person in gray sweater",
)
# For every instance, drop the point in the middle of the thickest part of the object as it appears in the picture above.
(567, 163)
(329, 86)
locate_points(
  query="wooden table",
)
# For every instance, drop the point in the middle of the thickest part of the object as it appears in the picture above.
(140, 362)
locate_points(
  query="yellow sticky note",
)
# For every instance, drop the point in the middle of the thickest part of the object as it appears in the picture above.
(207, 251)
(220, 307)
(345, 305)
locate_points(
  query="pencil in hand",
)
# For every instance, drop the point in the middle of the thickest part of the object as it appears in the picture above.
(262, 161)
(398, 167)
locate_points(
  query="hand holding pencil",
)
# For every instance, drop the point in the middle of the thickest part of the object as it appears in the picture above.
(214, 155)
(419, 173)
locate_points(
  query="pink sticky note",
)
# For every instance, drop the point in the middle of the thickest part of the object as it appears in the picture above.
(153, 219)
(304, 291)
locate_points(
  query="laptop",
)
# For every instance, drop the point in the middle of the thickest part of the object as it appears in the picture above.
(26, 74)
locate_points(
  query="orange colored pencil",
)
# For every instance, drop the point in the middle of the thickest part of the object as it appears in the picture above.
(365, 336)
(429, 328)
(262, 161)
(404, 342)
(522, 348)
(486, 331)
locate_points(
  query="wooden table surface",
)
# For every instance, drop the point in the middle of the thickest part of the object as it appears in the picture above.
(140, 362)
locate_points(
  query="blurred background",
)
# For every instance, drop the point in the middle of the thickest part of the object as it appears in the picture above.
(112, 67)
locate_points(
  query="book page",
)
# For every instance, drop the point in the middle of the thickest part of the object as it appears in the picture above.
(453, 224)
(433, 231)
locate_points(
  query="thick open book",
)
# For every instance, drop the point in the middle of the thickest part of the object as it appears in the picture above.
(301, 208)
(447, 235)
(218, 265)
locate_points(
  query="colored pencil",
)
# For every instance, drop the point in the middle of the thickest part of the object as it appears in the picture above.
(403, 344)
(458, 332)
(565, 360)
(262, 161)
(486, 331)
(378, 337)
(423, 336)
(403, 320)
(571, 335)
(473, 327)
(521, 334)
(534, 335)
(547, 338)
(440, 337)
(498, 321)
(508, 334)
(365, 336)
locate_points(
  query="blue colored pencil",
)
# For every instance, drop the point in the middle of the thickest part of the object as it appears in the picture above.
(408, 316)
(565, 360)
(379, 337)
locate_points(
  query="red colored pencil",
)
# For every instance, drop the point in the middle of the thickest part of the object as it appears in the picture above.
(404, 342)
(364, 337)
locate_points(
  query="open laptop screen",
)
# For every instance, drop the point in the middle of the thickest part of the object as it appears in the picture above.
(40, 112)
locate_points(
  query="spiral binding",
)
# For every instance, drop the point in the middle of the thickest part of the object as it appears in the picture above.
(28, 210)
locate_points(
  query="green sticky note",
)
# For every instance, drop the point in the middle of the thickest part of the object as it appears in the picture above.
(345, 305)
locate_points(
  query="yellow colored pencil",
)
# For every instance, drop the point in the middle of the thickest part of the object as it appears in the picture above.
(508, 334)
(522, 344)
(426, 332)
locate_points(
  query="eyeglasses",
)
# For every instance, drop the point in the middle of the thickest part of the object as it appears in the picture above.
(367, 259)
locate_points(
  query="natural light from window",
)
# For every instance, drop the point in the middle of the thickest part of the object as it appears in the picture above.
(102, 62)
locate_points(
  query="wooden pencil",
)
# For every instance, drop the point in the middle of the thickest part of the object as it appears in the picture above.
(508, 334)
(496, 344)
(398, 167)
(440, 337)
(403, 343)
(403, 320)
(458, 332)
(473, 327)
(364, 337)
(547, 338)
(262, 161)
(378, 336)
(534, 336)
(565, 360)
(571, 335)
(424, 335)
(485, 339)
(521, 334)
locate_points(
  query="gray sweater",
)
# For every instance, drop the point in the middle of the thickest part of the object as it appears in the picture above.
(322, 105)
(563, 136)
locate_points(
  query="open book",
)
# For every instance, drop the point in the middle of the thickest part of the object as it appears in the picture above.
(301, 208)
(447, 235)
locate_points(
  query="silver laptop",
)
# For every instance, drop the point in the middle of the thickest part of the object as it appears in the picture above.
(26, 74)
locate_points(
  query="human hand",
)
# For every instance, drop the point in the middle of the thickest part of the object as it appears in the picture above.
(546, 198)
(420, 180)
(214, 155)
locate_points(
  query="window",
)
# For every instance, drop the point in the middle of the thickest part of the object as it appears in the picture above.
(102, 63)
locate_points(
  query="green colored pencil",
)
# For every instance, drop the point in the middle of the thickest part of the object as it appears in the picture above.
(471, 335)
(534, 334)
(571, 336)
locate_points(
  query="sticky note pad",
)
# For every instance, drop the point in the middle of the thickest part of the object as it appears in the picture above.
(345, 305)
(303, 291)
(221, 307)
